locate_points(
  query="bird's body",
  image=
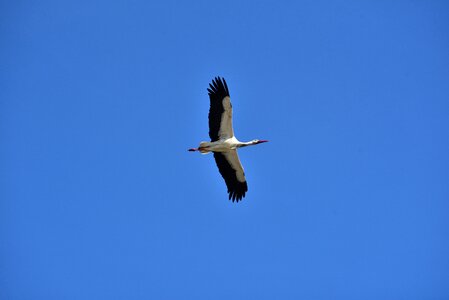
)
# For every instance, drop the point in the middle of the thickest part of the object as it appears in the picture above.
(223, 143)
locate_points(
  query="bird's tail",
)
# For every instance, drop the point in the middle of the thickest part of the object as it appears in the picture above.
(204, 148)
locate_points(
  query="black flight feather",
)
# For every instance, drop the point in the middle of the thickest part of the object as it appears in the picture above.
(236, 189)
(217, 92)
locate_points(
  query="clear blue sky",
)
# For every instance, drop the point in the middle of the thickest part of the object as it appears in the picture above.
(99, 101)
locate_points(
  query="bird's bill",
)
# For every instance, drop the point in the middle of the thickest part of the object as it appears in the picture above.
(263, 141)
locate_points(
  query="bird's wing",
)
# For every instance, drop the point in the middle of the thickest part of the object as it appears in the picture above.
(220, 112)
(231, 169)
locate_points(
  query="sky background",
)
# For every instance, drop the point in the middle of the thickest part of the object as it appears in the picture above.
(99, 101)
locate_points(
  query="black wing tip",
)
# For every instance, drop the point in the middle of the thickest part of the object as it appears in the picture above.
(238, 192)
(218, 87)
(236, 198)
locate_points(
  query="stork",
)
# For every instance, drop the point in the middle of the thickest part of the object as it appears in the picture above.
(223, 143)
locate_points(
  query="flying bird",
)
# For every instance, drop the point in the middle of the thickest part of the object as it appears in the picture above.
(223, 143)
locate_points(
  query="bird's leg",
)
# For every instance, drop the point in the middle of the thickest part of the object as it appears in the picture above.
(203, 150)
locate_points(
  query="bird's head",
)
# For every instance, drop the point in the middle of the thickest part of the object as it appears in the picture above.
(259, 141)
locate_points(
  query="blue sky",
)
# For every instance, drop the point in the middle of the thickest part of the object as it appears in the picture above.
(99, 101)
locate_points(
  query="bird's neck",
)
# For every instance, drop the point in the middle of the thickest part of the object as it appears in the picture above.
(244, 144)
